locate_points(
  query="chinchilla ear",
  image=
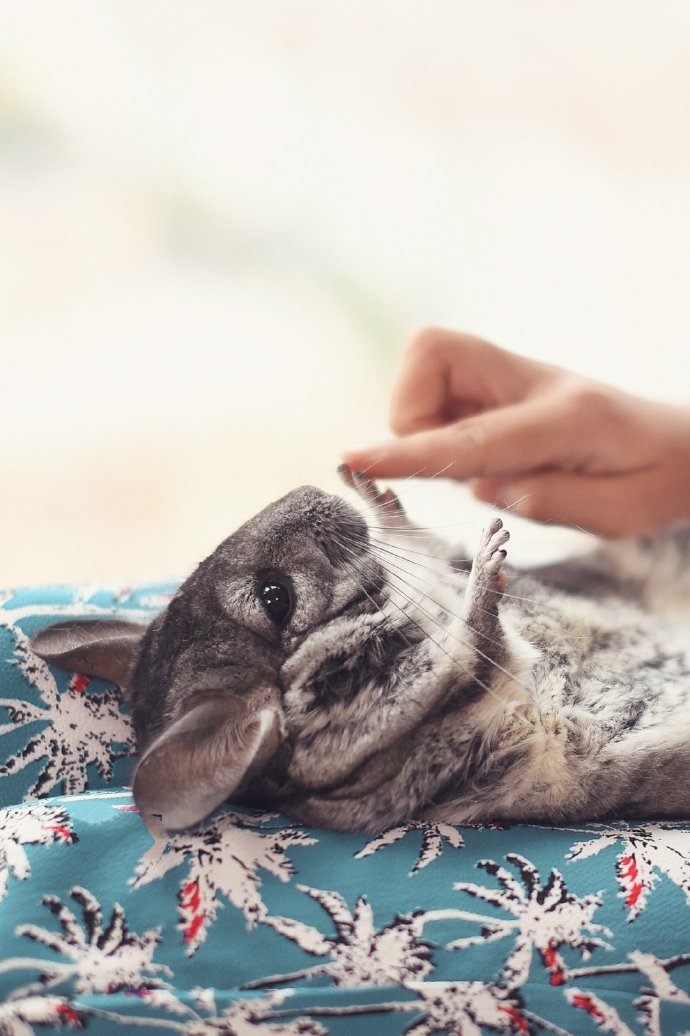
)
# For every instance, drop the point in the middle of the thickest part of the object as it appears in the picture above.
(205, 756)
(97, 647)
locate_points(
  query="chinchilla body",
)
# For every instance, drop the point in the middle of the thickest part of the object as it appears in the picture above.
(355, 672)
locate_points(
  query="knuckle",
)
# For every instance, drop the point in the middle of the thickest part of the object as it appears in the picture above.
(400, 420)
(426, 342)
(474, 440)
(585, 400)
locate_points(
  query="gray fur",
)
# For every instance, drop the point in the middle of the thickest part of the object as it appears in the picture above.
(402, 686)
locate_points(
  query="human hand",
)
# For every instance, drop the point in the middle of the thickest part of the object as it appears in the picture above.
(548, 444)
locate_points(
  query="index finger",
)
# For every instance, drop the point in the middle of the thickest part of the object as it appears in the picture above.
(510, 440)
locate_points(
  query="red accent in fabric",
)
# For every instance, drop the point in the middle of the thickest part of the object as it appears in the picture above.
(551, 961)
(588, 1005)
(61, 831)
(516, 1018)
(193, 927)
(190, 900)
(629, 872)
(69, 1014)
(190, 896)
(79, 683)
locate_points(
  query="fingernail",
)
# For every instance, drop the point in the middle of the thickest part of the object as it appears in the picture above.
(357, 455)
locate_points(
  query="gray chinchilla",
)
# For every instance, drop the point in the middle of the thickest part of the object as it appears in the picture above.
(353, 671)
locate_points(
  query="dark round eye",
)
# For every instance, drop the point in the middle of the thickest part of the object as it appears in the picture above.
(276, 600)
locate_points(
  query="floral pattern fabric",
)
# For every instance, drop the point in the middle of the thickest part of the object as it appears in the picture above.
(250, 923)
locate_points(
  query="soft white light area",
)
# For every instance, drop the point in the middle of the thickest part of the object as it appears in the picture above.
(221, 220)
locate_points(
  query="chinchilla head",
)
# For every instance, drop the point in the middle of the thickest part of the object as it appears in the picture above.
(204, 678)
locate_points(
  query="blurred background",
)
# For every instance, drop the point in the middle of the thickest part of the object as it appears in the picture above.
(220, 221)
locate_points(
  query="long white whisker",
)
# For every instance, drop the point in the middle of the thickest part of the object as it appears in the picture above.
(460, 640)
(437, 474)
(389, 549)
(421, 628)
(352, 569)
(419, 553)
(376, 546)
(489, 690)
(428, 582)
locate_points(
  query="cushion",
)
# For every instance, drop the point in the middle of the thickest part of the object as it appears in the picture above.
(253, 923)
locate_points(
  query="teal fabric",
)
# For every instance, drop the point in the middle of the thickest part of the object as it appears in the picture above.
(251, 923)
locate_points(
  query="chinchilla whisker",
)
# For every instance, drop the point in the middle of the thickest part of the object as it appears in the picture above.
(460, 640)
(378, 548)
(513, 508)
(485, 687)
(419, 553)
(403, 530)
(527, 600)
(542, 605)
(388, 549)
(356, 526)
(447, 653)
(443, 470)
(352, 568)
(412, 530)
(447, 576)
(437, 474)
(407, 617)
(414, 474)
(453, 615)
(419, 530)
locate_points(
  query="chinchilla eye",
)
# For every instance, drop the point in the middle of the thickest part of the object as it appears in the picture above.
(276, 599)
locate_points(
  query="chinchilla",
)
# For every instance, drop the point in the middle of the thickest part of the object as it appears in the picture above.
(355, 671)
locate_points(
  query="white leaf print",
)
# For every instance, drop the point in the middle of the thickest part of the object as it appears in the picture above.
(466, 1008)
(254, 1017)
(358, 953)
(79, 728)
(307, 938)
(541, 917)
(18, 1017)
(661, 990)
(222, 855)
(28, 825)
(102, 960)
(602, 1014)
(432, 841)
(647, 851)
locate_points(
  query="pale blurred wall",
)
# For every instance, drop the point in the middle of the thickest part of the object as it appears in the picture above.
(219, 221)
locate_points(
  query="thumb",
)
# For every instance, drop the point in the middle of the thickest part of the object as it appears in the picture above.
(514, 439)
(610, 505)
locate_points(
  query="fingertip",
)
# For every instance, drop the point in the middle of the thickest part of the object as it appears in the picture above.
(363, 456)
(387, 460)
(374, 461)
